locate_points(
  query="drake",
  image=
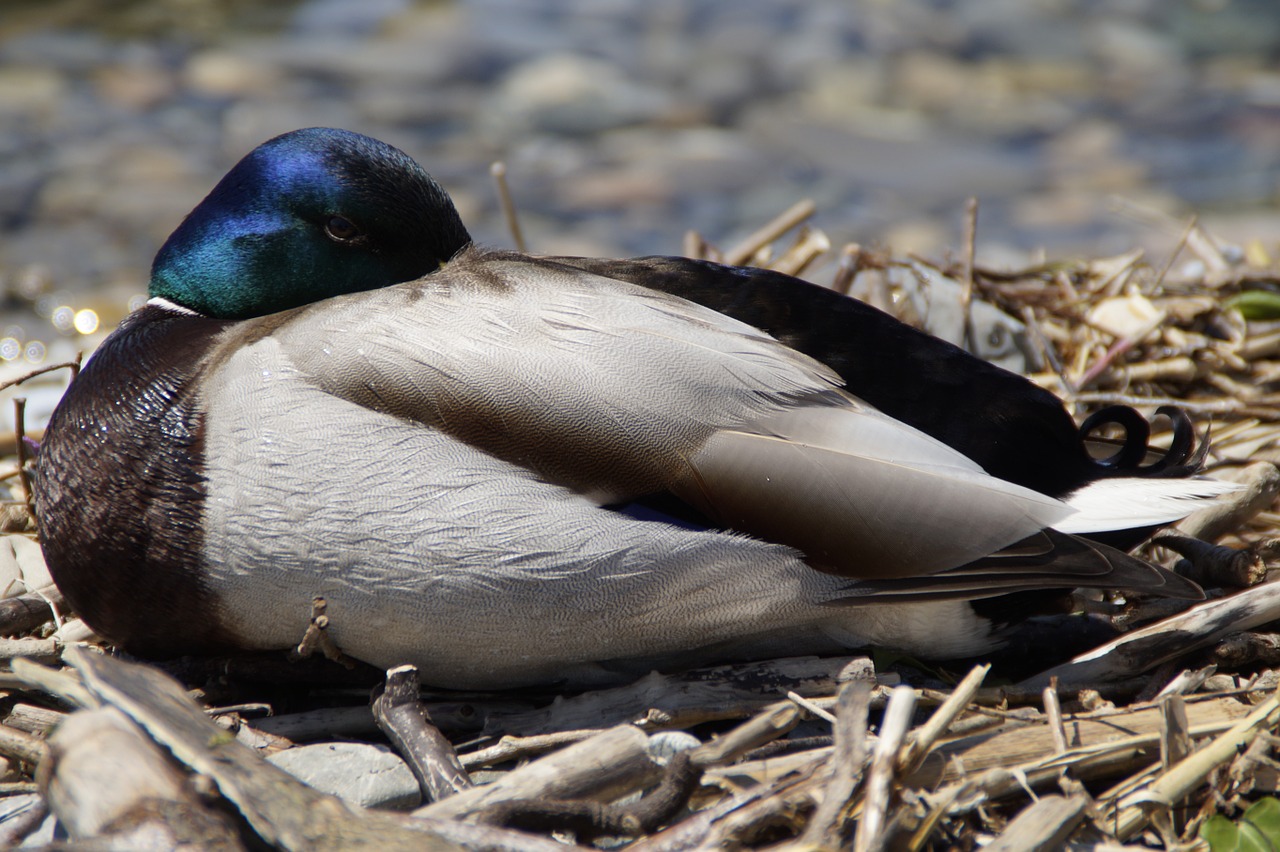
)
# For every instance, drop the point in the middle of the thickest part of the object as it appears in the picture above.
(509, 469)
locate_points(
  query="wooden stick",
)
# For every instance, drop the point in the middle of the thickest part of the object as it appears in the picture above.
(1175, 732)
(317, 637)
(785, 221)
(105, 779)
(602, 768)
(1191, 225)
(1042, 827)
(511, 748)
(826, 828)
(20, 426)
(1053, 710)
(73, 366)
(405, 721)
(914, 753)
(847, 270)
(763, 728)
(1261, 482)
(27, 612)
(966, 279)
(1148, 647)
(21, 745)
(284, 812)
(1187, 774)
(893, 730)
(499, 173)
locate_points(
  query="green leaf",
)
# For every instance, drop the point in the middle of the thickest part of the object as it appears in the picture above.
(1257, 830)
(1256, 304)
(1264, 815)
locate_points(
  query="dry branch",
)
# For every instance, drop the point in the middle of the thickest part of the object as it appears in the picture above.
(404, 719)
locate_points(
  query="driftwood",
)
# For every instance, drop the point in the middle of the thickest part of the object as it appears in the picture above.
(281, 810)
(827, 827)
(589, 820)
(602, 768)
(1145, 648)
(104, 777)
(1021, 742)
(1261, 487)
(405, 721)
(1044, 826)
(27, 612)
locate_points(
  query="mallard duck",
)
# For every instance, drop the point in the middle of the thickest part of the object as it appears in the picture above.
(510, 469)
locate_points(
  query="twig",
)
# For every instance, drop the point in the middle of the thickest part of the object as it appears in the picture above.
(72, 365)
(848, 268)
(16, 829)
(1216, 406)
(1175, 731)
(914, 753)
(59, 683)
(1042, 827)
(1147, 647)
(21, 745)
(811, 707)
(499, 172)
(728, 824)
(810, 244)
(1245, 649)
(317, 637)
(403, 718)
(20, 427)
(1192, 224)
(1261, 482)
(825, 828)
(602, 768)
(1187, 774)
(1053, 710)
(763, 728)
(897, 720)
(1136, 372)
(694, 246)
(783, 222)
(512, 748)
(966, 280)
(589, 820)
(47, 649)
(1188, 681)
(26, 612)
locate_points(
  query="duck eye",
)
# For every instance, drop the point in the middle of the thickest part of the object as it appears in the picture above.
(341, 228)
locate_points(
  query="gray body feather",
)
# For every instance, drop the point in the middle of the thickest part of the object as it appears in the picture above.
(432, 459)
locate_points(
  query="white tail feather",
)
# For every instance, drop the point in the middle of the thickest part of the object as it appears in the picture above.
(1127, 503)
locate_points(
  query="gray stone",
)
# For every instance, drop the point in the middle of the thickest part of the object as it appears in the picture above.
(14, 808)
(570, 94)
(371, 776)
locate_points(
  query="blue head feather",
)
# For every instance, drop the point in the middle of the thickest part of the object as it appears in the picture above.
(307, 215)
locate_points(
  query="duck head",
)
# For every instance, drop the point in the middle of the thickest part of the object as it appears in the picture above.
(307, 215)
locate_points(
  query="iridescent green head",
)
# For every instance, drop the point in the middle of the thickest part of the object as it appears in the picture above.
(308, 215)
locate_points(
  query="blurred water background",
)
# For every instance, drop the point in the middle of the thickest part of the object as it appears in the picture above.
(1084, 127)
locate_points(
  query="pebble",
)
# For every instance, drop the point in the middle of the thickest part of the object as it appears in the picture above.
(14, 808)
(371, 776)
